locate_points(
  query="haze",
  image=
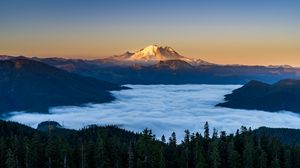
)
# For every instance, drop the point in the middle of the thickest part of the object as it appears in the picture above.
(226, 32)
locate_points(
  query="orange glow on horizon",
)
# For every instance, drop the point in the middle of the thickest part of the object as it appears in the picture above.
(217, 53)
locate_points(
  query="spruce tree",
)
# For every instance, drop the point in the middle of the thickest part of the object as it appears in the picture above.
(275, 163)
(248, 153)
(206, 130)
(261, 157)
(163, 139)
(287, 158)
(130, 156)
(200, 161)
(2, 152)
(186, 145)
(10, 160)
(162, 161)
(213, 154)
(172, 152)
(233, 156)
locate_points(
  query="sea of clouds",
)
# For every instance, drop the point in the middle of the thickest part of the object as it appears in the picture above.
(164, 109)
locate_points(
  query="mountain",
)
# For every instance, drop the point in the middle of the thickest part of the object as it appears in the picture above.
(171, 72)
(163, 65)
(283, 95)
(151, 55)
(28, 85)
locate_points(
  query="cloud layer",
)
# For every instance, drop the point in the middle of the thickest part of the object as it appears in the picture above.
(164, 109)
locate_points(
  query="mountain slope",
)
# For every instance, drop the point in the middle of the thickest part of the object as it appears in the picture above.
(283, 95)
(34, 86)
(171, 72)
(173, 64)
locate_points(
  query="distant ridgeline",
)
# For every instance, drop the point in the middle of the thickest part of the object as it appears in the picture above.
(111, 147)
(28, 85)
(163, 65)
(283, 95)
(172, 72)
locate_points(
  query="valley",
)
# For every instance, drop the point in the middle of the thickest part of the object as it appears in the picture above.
(163, 108)
(163, 91)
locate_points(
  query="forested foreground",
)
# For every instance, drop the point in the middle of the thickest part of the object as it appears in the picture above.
(112, 147)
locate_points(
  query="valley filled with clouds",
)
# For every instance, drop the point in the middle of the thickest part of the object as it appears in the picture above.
(164, 109)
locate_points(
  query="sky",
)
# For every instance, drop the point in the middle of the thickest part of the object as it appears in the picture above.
(254, 32)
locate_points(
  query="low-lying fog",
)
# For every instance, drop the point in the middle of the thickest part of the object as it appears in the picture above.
(164, 109)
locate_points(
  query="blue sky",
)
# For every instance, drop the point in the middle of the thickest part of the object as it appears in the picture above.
(216, 30)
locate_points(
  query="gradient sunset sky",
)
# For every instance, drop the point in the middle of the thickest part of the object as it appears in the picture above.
(221, 31)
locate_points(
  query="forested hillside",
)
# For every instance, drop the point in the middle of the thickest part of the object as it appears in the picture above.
(283, 95)
(28, 85)
(112, 147)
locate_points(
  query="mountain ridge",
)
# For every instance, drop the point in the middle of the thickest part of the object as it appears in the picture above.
(28, 85)
(169, 71)
(283, 95)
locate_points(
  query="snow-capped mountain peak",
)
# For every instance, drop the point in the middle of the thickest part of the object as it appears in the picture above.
(153, 54)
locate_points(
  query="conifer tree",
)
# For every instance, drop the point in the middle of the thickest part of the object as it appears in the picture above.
(186, 145)
(275, 163)
(233, 156)
(248, 153)
(130, 156)
(262, 159)
(206, 130)
(200, 161)
(163, 139)
(162, 161)
(213, 154)
(10, 160)
(2, 152)
(287, 158)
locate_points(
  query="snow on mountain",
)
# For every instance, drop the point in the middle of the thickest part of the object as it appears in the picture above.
(154, 54)
(4, 57)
